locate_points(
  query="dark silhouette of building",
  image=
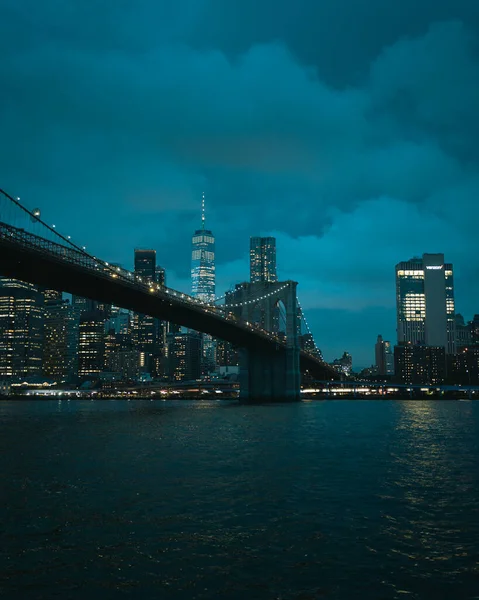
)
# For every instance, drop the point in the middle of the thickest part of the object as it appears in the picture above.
(149, 333)
(384, 357)
(60, 349)
(184, 356)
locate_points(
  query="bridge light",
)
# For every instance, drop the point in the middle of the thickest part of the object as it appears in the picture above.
(68, 237)
(106, 264)
(152, 289)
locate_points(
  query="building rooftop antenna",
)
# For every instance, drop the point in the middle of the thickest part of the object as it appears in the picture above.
(203, 211)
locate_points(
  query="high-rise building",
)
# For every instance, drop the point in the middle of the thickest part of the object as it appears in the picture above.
(147, 329)
(21, 329)
(60, 348)
(263, 259)
(203, 281)
(425, 302)
(384, 357)
(91, 345)
(203, 274)
(145, 264)
(184, 356)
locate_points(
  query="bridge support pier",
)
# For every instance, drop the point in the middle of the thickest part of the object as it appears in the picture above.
(270, 377)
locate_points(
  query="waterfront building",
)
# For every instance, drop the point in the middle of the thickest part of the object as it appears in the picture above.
(60, 349)
(463, 367)
(384, 357)
(184, 356)
(425, 302)
(263, 259)
(91, 345)
(21, 329)
(419, 364)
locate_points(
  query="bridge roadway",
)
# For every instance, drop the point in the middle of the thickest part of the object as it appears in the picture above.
(32, 258)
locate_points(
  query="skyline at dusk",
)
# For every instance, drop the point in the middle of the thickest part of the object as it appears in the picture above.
(352, 142)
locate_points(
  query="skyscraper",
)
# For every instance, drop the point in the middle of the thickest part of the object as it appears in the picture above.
(145, 264)
(384, 357)
(91, 346)
(203, 275)
(146, 328)
(60, 349)
(203, 279)
(262, 258)
(425, 302)
(21, 329)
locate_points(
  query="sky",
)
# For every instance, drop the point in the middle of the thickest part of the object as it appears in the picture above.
(348, 129)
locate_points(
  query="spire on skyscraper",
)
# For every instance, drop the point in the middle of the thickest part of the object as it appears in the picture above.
(203, 211)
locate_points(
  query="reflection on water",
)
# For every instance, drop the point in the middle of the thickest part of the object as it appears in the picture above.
(433, 491)
(190, 500)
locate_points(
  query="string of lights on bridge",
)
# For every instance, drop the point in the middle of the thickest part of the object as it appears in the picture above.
(116, 271)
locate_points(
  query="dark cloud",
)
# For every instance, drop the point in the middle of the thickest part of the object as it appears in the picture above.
(348, 130)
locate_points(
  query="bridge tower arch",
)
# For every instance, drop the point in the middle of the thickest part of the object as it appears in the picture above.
(272, 376)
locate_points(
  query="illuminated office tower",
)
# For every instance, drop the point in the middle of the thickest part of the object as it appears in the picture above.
(425, 302)
(91, 345)
(21, 329)
(203, 280)
(60, 346)
(262, 257)
(203, 276)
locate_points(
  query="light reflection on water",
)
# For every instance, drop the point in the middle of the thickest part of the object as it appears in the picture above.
(216, 500)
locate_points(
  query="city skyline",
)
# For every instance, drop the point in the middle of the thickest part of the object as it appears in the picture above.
(351, 166)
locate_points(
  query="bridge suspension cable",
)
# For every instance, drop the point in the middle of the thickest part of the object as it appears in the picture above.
(303, 318)
(254, 300)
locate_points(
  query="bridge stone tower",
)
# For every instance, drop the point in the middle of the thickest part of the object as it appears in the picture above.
(273, 375)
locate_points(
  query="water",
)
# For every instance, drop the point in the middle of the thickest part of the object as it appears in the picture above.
(335, 500)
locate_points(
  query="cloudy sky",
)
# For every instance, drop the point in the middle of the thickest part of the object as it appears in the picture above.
(349, 129)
